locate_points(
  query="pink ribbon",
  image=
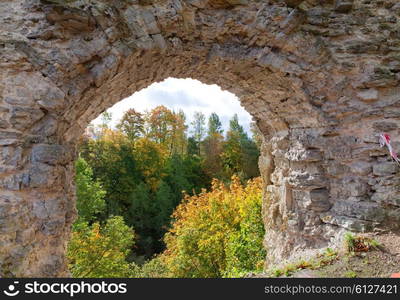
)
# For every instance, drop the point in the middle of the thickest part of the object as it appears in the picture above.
(384, 140)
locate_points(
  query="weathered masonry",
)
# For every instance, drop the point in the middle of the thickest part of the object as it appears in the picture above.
(320, 77)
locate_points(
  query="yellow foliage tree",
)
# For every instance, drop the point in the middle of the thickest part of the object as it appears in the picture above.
(217, 233)
(100, 251)
(151, 160)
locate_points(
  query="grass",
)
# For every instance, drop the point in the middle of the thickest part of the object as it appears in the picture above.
(350, 274)
(354, 245)
(323, 259)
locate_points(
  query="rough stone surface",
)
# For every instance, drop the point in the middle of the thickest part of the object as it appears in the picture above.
(320, 78)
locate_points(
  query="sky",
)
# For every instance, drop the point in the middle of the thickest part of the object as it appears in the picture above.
(188, 95)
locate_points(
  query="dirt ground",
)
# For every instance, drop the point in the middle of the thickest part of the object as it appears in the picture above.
(382, 262)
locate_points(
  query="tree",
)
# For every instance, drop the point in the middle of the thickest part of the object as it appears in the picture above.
(250, 156)
(145, 164)
(214, 125)
(179, 134)
(150, 160)
(112, 162)
(100, 251)
(106, 118)
(160, 122)
(165, 202)
(198, 128)
(213, 145)
(192, 147)
(132, 124)
(142, 216)
(167, 128)
(89, 192)
(240, 153)
(232, 155)
(218, 233)
(177, 178)
(257, 135)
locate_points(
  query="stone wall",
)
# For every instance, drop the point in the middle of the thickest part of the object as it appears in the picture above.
(320, 78)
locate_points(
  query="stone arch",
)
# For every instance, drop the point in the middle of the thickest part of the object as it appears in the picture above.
(319, 77)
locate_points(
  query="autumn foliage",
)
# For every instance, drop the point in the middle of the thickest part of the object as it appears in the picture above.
(100, 251)
(147, 204)
(217, 233)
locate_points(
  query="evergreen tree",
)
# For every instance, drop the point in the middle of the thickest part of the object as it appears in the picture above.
(192, 147)
(214, 125)
(165, 202)
(142, 217)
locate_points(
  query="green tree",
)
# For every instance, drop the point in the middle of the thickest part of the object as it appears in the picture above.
(250, 156)
(192, 147)
(177, 178)
(232, 155)
(165, 203)
(142, 216)
(89, 192)
(214, 125)
(113, 163)
(240, 153)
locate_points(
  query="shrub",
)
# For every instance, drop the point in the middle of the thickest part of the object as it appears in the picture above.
(154, 268)
(100, 251)
(359, 243)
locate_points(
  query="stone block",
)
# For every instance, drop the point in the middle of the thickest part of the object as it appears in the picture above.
(304, 155)
(351, 224)
(343, 6)
(23, 117)
(385, 168)
(361, 168)
(384, 126)
(198, 3)
(320, 200)
(50, 154)
(292, 3)
(368, 95)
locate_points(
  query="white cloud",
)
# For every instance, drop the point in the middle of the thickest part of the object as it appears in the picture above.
(187, 94)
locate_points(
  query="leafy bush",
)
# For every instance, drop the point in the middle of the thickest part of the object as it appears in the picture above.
(154, 268)
(217, 233)
(100, 251)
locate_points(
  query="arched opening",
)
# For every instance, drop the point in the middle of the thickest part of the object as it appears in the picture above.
(319, 95)
(157, 159)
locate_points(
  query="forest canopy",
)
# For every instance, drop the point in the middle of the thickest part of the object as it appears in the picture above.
(135, 180)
